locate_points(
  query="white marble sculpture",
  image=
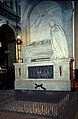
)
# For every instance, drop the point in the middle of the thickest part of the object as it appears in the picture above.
(51, 52)
(58, 41)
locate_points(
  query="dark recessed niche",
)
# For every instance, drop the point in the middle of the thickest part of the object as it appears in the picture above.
(40, 72)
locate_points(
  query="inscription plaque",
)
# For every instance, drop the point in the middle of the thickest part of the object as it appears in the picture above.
(40, 72)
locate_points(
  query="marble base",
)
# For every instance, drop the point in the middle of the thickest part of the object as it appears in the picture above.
(54, 85)
(60, 80)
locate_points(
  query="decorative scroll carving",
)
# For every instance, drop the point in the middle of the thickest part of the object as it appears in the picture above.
(39, 85)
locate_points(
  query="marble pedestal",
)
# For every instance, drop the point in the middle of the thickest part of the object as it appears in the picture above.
(60, 80)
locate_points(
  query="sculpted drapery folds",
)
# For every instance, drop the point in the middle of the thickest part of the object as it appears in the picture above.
(58, 41)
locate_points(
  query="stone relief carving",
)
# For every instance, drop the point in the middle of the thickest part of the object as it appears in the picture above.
(40, 17)
(46, 31)
(43, 42)
(57, 41)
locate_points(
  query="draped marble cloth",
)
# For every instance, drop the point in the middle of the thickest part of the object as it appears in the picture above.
(58, 41)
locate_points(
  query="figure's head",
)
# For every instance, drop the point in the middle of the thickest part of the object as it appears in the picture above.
(52, 23)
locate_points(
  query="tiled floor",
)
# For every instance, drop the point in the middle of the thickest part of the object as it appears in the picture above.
(6, 96)
(14, 115)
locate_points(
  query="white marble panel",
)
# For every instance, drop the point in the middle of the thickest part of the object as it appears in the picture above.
(55, 85)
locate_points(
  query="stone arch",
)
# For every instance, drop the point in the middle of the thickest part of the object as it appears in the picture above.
(8, 48)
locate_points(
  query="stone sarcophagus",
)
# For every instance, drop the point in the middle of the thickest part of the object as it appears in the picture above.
(40, 50)
(41, 70)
